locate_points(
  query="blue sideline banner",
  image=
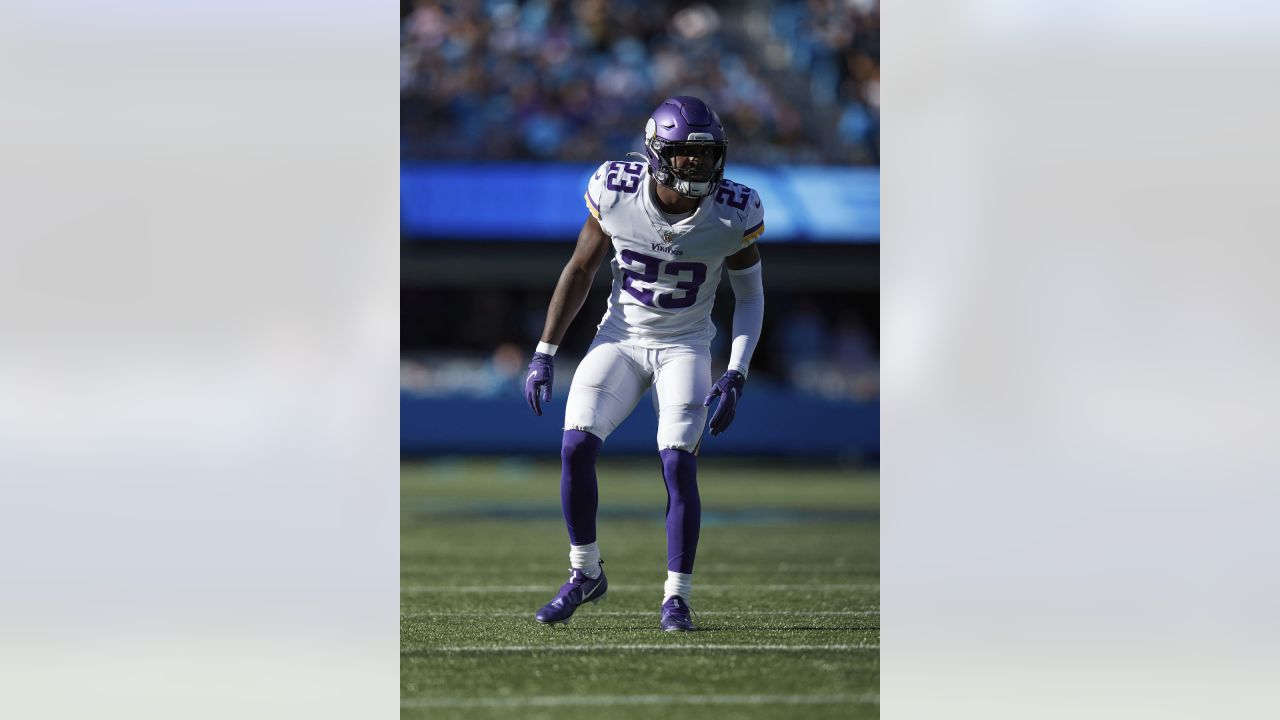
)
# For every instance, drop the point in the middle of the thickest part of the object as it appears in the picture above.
(778, 424)
(543, 201)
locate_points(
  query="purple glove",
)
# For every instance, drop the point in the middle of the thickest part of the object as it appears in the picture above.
(537, 385)
(729, 388)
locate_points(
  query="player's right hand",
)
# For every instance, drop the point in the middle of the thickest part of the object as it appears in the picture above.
(537, 384)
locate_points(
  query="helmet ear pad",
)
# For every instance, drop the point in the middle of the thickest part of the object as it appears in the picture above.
(658, 167)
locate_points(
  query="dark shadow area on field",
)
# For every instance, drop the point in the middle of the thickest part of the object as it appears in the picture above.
(712, 518)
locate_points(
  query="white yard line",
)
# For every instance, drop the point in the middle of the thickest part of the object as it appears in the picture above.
(475, 588)
(551, 587)
(644, 613)
(639, 647)
(604, 700)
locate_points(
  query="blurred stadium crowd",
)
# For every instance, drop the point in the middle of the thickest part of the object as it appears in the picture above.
(794, 81)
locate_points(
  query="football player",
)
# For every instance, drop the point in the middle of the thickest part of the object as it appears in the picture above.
(670, 224)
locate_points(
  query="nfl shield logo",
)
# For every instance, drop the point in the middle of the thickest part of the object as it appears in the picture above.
(668, 236)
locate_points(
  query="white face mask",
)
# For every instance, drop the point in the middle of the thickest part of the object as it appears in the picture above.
(688, 188)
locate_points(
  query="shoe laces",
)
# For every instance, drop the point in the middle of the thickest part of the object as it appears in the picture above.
(573, 581)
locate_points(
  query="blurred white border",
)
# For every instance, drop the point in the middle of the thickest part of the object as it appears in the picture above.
(199, 365)
(1080, 351)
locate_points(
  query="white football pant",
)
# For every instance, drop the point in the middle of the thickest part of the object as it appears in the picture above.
(613, 377)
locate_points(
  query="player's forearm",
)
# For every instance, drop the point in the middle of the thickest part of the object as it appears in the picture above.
(571, 291)
(748, 315)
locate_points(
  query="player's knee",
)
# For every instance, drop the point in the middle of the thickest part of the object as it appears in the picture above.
(681, 428)
(682, 439)
(579, 446)
(586, 417)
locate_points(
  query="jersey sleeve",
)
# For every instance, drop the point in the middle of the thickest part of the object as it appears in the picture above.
(753, 227)
(595, 192)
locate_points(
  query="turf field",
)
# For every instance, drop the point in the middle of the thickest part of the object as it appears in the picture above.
(786, 593)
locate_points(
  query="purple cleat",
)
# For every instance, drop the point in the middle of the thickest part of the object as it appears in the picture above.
(580, 589)
(676, 615)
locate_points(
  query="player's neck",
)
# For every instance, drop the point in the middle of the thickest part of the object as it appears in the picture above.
(672, 202)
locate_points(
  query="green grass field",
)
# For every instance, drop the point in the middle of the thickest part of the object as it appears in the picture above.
(786, 592)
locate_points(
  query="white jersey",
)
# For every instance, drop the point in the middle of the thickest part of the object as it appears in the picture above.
(665, 274)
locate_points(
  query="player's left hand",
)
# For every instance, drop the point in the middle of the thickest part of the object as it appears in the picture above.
(729, 389)
(537, 384)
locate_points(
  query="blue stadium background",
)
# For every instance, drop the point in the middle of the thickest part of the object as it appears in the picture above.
(507, 108)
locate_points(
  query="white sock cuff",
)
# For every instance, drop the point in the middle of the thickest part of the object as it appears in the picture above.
(678, 584)
(585, 558)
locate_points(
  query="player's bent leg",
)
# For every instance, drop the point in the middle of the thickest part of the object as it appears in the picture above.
(684, 519)
(684, 377)
(605, 389)
(579, 499)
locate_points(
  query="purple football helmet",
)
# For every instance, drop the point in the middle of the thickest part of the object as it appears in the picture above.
(686, 126)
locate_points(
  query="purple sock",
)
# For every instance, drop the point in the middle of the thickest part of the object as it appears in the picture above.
(578, 495)
(684, 508)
